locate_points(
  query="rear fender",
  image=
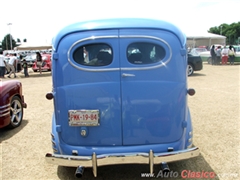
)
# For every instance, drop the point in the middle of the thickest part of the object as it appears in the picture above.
(55, 138)
(189, 131)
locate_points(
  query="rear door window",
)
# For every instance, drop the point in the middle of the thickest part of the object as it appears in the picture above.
(99, 54)
(145, 53)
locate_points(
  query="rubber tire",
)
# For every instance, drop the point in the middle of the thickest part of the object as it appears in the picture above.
(190, 69)
(16, 112)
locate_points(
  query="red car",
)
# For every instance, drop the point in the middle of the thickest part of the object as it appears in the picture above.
(46, 65)
(11, 103)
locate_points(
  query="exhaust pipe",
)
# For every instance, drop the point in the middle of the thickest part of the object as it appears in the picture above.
(79, 171)
(165, 168)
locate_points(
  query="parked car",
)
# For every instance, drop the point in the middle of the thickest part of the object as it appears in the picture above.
(120, 97)
(11, 103)
(30, 59)
(46, 65)
(194, 63)
(197, 51)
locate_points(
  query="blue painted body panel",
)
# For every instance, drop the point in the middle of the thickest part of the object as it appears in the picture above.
(147, 110)
(129, 23)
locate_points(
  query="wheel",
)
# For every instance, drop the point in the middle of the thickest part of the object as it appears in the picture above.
(16, 112)
(209, 60)
(190, 70)
(34, 70)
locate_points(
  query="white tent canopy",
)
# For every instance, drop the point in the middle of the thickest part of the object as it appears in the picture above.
(28, 46)
(205, 39)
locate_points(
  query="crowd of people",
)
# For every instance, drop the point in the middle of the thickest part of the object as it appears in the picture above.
(219, 54)
(12, 64)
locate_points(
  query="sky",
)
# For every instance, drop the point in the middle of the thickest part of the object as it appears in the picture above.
(38, 21)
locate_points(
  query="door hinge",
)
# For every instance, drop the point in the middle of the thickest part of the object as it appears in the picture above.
(183, 52)
(55, 56)
(58, 128)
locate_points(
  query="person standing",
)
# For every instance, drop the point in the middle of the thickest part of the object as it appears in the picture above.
(231, 54)
(213, 55)
(218, 55)
(224, 54)
(12, 65)
(2, 65)
(25, 68)
(39, 61)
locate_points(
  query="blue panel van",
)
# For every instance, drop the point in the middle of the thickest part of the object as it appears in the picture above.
(120, 94)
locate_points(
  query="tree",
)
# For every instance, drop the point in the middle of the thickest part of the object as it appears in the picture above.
(6, 42)
(24, 40)
(232, 32)
(18, 40)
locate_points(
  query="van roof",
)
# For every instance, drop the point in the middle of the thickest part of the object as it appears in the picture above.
(119, 23)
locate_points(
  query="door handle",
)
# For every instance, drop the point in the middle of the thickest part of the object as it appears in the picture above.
(127, 75)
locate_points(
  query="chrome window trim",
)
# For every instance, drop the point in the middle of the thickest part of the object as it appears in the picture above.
(88, 69)
(159, 64)
(149, 66)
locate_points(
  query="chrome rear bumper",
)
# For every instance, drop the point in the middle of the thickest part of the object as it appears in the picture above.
(121, 158)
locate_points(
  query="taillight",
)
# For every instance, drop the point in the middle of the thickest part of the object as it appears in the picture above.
(191, 92)
(49, 96)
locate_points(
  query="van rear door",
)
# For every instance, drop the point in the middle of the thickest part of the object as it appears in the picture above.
(153, 91)
(86, 89)
(140, 95)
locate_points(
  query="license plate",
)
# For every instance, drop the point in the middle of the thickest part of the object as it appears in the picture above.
(83, 117)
